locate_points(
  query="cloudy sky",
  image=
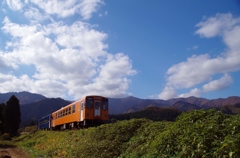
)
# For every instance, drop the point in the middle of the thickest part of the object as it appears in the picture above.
(116, 48)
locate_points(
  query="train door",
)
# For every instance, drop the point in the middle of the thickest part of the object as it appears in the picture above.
(97, 108)
(82, 107)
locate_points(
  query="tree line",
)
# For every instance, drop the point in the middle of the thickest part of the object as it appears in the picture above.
(151, 113)
(10, 116)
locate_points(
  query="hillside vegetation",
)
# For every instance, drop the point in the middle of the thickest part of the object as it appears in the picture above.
(194, 134)
(151, 113)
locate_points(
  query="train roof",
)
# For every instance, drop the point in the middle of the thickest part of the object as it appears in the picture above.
(45, 116)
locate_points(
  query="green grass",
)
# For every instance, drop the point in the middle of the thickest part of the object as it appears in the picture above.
(194, 134)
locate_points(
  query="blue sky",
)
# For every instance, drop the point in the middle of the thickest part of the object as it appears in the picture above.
(116, 48)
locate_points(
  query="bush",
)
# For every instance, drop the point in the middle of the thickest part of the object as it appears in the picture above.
(30, 129)
(200, 134)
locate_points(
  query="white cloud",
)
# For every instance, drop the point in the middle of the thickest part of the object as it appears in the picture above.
(9, 82)
(112, 80)
(7, 61)
(67, 59)
(216, 25)
(88, 7)
(68, 8)
(80, 35)
(35, 15)
(168, 93)
(219, 84)
(189, 73)
(14, 4)
(199, 69)
(194, 92)
(51, 88)
(117, 66)
(232, 38)
(56, 88)
(17, 30)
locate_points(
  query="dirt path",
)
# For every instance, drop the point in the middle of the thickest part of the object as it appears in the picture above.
(11, 152)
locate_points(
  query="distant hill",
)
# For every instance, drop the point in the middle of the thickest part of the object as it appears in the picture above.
(230, 109)
(206, 103)
(144, 103)
(132, 104)
(185, 106)
(37, 110)
(151, 113)
(23, 97)
(120, 105)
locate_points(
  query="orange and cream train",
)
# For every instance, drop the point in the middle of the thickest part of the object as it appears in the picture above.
(87, 111)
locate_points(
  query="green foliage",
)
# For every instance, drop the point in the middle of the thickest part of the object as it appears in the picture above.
(108, 140)
(194, 134)
(29, 129)
(141, 142)
(200, 134)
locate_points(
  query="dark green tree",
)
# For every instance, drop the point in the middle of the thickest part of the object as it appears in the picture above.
(12, 116)
(2, 122)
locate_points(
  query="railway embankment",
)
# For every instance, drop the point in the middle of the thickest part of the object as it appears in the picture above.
(202, 133)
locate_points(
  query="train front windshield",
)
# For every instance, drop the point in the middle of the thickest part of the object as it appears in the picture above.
(105, 103)
(89, 102)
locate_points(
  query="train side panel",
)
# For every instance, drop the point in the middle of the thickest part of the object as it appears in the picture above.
(45, 122)
(67, 117)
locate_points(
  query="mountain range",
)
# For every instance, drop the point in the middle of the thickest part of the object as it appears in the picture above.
(34, 106)
(23, 97)
(132, 104)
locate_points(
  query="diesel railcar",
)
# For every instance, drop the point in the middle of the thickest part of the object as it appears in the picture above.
(88, 111)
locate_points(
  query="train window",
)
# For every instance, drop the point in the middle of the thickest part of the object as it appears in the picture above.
(63, 112)
(73, 109)
(60, 113)
(89, 103)
(97, 105)
(105, 103)
(82, 106)
(69, 110)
